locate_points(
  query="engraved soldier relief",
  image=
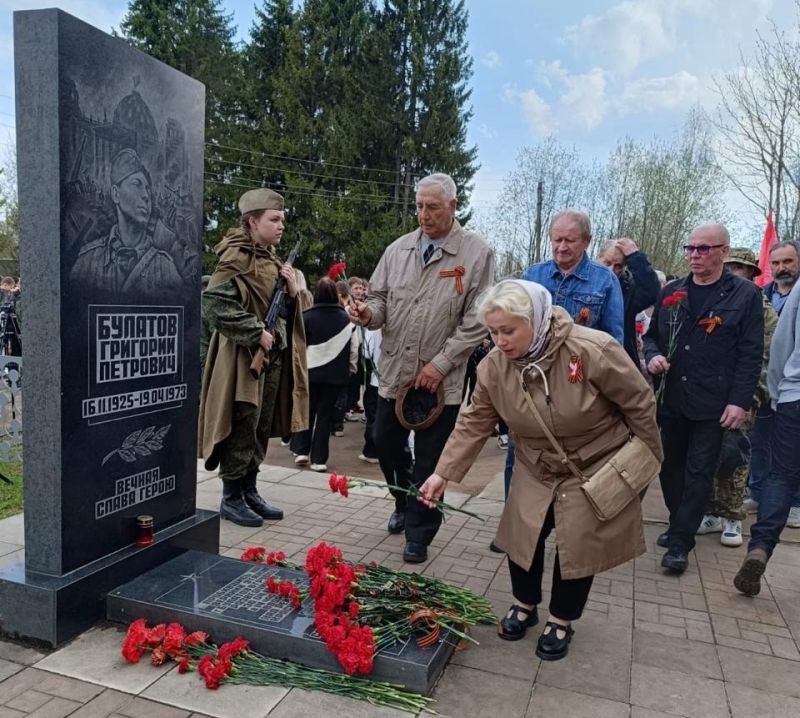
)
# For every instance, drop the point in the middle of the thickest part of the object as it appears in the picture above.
(128, 211)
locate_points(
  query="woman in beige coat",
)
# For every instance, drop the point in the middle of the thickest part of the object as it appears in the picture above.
(592, 398)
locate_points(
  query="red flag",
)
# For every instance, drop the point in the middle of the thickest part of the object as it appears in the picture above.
(770, 238)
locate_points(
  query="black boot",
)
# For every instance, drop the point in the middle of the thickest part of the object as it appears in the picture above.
(256, 503)
(233, 506)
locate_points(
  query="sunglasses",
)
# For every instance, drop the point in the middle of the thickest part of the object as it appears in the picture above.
(701, 249)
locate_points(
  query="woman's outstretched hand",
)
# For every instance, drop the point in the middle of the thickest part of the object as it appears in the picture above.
(432, 490)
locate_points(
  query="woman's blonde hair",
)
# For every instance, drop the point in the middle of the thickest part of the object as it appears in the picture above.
(302, 284)
(508, 297)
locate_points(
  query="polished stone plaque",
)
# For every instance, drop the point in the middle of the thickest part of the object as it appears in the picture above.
(227, 598)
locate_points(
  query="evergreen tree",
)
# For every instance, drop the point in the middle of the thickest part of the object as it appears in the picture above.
(352, 211)
(316, 137)
(367, 100)
(432, 63)
(265, 56)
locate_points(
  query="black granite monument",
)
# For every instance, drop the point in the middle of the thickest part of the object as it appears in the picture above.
(110, 167)
(227, 598)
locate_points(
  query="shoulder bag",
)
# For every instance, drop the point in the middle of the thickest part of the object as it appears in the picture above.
(618, 481)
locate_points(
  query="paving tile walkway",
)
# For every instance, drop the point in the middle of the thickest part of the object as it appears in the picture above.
(648, 646)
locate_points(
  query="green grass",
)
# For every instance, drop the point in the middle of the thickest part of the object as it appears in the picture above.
(11, 494)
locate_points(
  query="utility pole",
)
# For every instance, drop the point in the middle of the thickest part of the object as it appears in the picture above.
(537, 231)
(406, 193)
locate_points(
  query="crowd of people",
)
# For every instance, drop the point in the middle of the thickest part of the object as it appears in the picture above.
(598, 375)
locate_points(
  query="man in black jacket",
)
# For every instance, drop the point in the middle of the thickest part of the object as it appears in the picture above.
(705, 341)
(639, 283)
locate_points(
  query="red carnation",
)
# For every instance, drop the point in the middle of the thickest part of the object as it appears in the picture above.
(134, 643)
(205, 664)
(254, 553)
(132, 652)
(294, 596)
(158, 656)
(276, 558)
(337, 270)
(174, 638)
(338, 484)
(232, 649)
(674, 299)
(213, 673)
(195, 637)
(155, 635)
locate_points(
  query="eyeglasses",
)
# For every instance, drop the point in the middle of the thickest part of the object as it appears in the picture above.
(701, 249)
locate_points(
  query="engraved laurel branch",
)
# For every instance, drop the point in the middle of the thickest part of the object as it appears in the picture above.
(142, 442)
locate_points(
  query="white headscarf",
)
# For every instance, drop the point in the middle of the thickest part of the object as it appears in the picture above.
(540, 316)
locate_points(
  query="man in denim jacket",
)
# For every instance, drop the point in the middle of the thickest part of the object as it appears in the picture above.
(588, 290)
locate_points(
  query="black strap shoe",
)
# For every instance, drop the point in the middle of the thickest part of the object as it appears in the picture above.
(397, 522)
(233, 506)
(256, 503)
(675, 560)
(415, 552)
(512, 627)
(550, 647)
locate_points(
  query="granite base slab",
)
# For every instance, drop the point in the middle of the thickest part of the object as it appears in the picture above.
(227, 598)
(54, 609)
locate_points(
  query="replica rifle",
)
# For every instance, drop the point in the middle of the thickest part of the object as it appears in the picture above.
(273, 313)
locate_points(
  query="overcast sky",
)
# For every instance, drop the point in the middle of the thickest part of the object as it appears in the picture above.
(588, 71)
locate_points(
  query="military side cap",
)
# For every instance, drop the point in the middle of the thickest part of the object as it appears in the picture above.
(257, 200)
(417, 409)
(126, 163)
(743, 255)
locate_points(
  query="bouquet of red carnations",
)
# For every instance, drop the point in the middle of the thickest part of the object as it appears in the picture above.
(234, 662)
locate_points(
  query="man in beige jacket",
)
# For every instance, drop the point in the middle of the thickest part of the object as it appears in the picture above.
(422, 295)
